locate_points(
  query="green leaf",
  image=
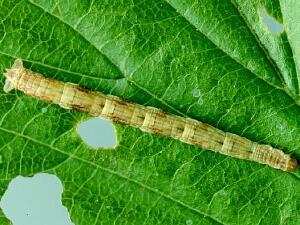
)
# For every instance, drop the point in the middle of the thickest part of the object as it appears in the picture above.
(157, 53)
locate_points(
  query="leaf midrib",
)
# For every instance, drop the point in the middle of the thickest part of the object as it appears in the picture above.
(236, 60)
(275, 67)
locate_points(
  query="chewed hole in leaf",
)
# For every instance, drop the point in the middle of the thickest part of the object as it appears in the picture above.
(98, 133)
(35, 200)
(272, 24)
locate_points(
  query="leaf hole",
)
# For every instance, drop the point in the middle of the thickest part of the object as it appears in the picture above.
(272, 24)
(35, 200)
(98, 133)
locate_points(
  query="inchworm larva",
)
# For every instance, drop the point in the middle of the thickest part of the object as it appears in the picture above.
(149, 119)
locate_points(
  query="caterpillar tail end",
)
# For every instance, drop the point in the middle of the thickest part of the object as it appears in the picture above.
(291, 165)
(12, 75)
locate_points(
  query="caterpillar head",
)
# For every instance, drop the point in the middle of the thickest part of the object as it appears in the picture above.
(289, 165)
(12, 75)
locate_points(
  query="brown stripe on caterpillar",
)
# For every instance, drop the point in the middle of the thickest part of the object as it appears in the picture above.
(83, 89)
(149, 119)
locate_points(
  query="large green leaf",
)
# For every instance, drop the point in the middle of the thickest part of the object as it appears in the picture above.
(211, 60)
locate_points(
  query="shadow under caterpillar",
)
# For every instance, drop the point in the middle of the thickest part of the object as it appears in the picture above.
(149, 119)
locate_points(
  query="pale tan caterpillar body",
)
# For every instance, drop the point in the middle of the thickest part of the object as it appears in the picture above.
(149, 119)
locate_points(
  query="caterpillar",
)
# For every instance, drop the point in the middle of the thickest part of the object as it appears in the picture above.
(149, 119)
